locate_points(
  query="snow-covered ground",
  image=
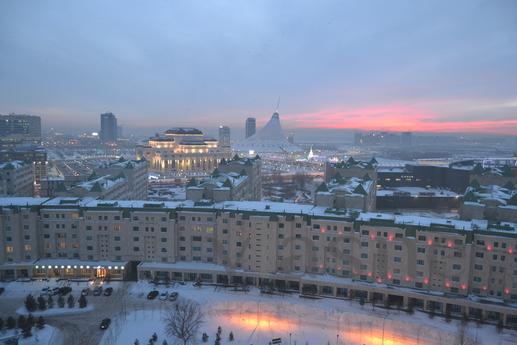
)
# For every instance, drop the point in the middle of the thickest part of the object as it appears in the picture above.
(56, 311)
(256, 319)
(46, 336)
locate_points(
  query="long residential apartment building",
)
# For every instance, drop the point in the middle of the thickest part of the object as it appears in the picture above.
(440, 265)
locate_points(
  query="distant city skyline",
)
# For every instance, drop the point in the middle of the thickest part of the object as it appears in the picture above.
(395, 66)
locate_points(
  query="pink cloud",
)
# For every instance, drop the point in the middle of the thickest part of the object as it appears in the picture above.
(396, 118)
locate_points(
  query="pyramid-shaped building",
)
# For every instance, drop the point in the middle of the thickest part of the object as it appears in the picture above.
(270, 138)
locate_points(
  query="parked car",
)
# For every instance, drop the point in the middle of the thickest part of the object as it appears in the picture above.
(97, 291)
(46, 289)
(164, 295)
(173, 296)
(54, 291)
(65, 290)
(152, 294)
(85, 292)
(105, 323)
(108, 291)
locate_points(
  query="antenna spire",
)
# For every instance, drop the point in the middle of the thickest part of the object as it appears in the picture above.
(277, 104)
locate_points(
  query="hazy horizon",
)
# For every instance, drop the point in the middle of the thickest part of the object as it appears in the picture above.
(437, 67)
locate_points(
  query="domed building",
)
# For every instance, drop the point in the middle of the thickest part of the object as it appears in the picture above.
(182, 151)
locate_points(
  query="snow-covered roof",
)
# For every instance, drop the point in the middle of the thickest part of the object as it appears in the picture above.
(416, 192)
(503, 196)
(12, 165)
(349, 186)
(475, 224)
(101, 183)
(221, 180)
(267, 208)
(22, 201)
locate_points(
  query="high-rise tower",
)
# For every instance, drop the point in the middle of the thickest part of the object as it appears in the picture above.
(108, 127)
(224, 137)
(251, 126)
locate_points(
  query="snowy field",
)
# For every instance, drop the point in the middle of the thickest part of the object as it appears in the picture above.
(56, 311)
(46, 336)
(256, 319)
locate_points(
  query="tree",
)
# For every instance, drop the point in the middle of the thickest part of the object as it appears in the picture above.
(30, 321)
(231, 336)
(70, 301)
(42, 303)
(21, 321)
(30, 303)
(10, 323)
(26, 330)
(184, 322)
(164, 342)
(137, 342)
(448, 313)
(411, 306)
(61, 302)
(41, 323)
(82, 302)
(1, 324)
(50, 302)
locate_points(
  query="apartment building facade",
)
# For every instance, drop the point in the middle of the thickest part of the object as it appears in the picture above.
(16, 179)
(431, 263)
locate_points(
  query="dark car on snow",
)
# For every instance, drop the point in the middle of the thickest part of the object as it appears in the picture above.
(153, 294)
(105, 323)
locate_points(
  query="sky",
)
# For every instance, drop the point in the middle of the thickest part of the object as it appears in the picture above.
(422, 66)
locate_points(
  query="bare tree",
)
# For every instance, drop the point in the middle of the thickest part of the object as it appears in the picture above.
(183, 322)
(462, 337)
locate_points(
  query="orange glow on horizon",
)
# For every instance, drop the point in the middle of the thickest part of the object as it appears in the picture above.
(398, 118)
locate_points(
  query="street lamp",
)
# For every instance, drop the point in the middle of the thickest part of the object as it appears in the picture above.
(337, 339)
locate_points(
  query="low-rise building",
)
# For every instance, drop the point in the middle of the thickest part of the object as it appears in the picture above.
(420, 198)
(103, 187)
(34, 155)
(219, 187)
(16, 179)
(135, 173)
(351, 193)
(352, 168)
(497, 175)
(490, 202)
(234, 179)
